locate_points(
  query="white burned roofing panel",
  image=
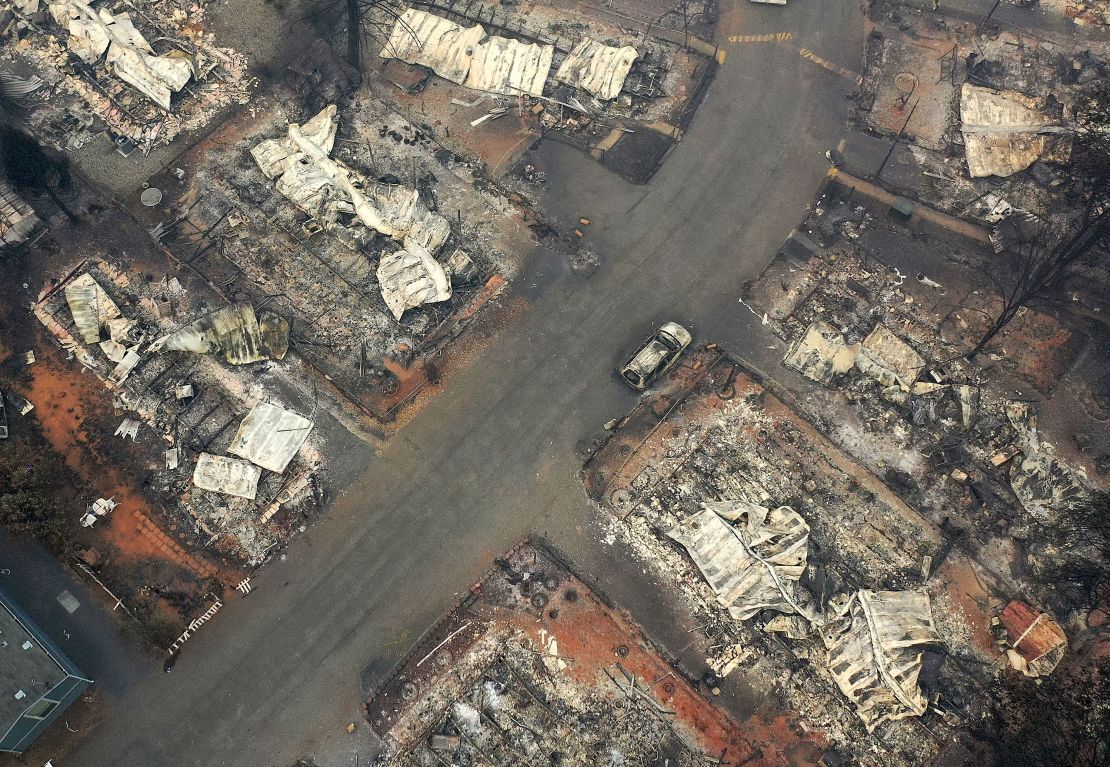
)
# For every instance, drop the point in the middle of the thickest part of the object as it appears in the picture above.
(752, 565)
(91, 307)
(888, 359)
(874, 648)
(419, 37)
(820, 353)
(92, 33)
(324, 188)
(410, 278)
(597, 68)
(231, 476)
(1004, 133)
(233, 331)
(17, 218)
(510, 67)
(270, 436)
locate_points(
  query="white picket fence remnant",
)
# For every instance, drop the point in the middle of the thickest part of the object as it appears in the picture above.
(194, 625)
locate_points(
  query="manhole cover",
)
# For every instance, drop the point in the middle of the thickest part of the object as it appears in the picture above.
(151, 197)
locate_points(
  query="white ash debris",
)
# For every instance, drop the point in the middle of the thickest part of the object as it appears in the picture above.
(195, 424)
(467, 717)
(149, 73)
(497, 699)
(326, 189)
(932, 413)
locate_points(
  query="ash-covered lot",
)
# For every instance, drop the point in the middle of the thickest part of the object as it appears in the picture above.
(535, 667)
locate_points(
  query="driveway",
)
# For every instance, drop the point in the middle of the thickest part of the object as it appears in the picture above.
(279, 673)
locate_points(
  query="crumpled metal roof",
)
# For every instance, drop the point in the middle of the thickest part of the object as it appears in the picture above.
(235, 332)
(90, 306)
(753, 564)
(270, 436)
(231, 476)
(820, 353)
(510, 67)
(888, 359)
(324, 188)
(1003, 131)
(410, 278)
(874, 648)
(422, 38)
(17, 218)
(91, 33)
(466, 56)
(597, 68)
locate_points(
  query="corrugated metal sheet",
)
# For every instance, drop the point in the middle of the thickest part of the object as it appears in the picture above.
(90, 306)
(324, 188)
(93, 33)
(17, 218)
(235, 332)
(510, 67)
(231, 476)
(888, 359)
(1004, 133)
(754, 565)
(441, 45)
(466, 56)
(270, 436)
(874, 652)
(597, 68)
(410, 278)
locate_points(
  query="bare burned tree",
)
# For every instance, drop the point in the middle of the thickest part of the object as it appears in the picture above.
(367, 20)
(1064, 722)
(28, 167)
(1090, 163)
(1046, 257)
(1078, 573)
(1041, 265)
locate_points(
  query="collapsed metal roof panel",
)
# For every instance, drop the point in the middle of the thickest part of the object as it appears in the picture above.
(1004, 133)
(510, 67)
(888, 359)
(324, 188)
(422, 38)
(875, 646)
(597, 68)
(17, 218)
(410, 278)
(90, 306)
(464, 55)
(270, 436)
(820, 353)
(754, 565)
(235, 332)
(231, 476)
(128, 54)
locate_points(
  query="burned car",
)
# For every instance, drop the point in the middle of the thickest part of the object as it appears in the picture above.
(656, 356)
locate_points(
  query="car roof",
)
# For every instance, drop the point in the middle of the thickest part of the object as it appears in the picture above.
(680, 333)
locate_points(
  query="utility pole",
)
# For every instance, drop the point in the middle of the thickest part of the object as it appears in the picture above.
(879, 173)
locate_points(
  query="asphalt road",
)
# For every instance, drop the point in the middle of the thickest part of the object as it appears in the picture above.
(280, 672)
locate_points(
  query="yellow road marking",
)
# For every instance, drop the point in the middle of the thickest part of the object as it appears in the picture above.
(770, 37)
(835, 68)
(720, 56)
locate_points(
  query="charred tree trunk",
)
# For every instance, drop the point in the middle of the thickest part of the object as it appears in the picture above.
(354, 34)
